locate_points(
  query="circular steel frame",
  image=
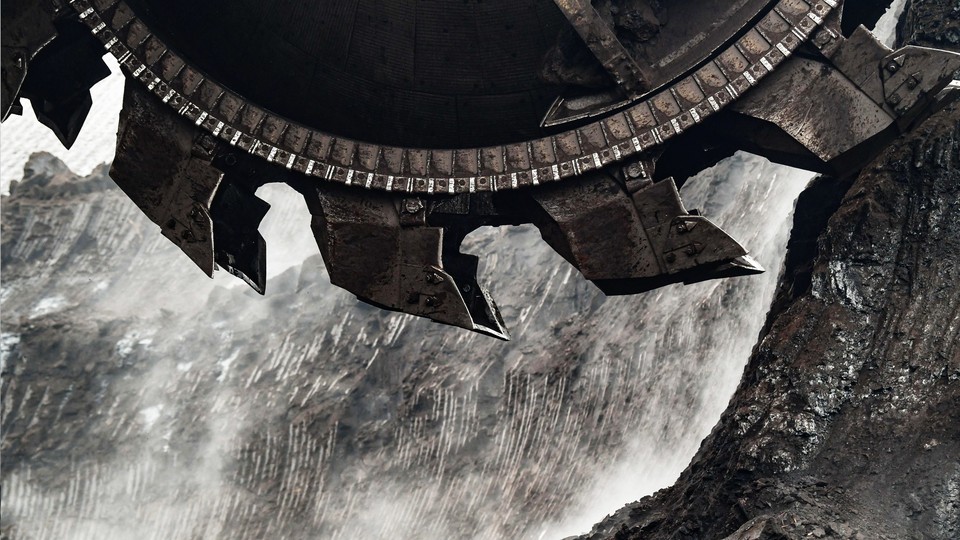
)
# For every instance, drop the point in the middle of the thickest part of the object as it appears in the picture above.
(313, 152)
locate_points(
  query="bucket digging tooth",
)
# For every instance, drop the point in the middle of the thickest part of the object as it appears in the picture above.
(600, 37)
(238, 245)
(460, 275)
(741, 266)
(64, 118)
(380, 249)
(60, 77)
(158, 166)
(576, 106)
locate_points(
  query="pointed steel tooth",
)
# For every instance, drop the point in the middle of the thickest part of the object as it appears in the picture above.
(460, 274)
(687, 243)
(741, 266)
(238, 245)
(577, 107)
(629, 243)
(163, 165)
(746, 265)
(390, 258)
(60, 77)
(65, 118)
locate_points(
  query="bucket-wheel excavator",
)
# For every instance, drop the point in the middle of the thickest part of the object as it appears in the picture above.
(407, 124)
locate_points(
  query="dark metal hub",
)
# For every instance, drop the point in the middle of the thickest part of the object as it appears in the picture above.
(427, 73)
(422, 73)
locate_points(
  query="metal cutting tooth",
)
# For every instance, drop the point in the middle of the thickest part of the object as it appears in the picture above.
(420, 270)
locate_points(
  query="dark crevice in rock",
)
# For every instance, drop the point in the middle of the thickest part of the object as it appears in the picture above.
(816, 204)
(847, 421)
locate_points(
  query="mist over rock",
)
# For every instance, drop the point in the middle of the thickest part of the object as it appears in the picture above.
(143, 400)
(847, 421)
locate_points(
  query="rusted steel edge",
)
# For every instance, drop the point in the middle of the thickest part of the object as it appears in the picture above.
(602, 41)
(644, 125)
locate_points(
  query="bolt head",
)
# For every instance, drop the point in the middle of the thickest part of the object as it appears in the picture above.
(634, 170)
(412, 206)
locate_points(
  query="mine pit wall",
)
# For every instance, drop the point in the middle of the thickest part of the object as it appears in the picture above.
(847, 421)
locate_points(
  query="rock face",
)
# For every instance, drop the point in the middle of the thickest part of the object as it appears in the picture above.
(847, 421)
